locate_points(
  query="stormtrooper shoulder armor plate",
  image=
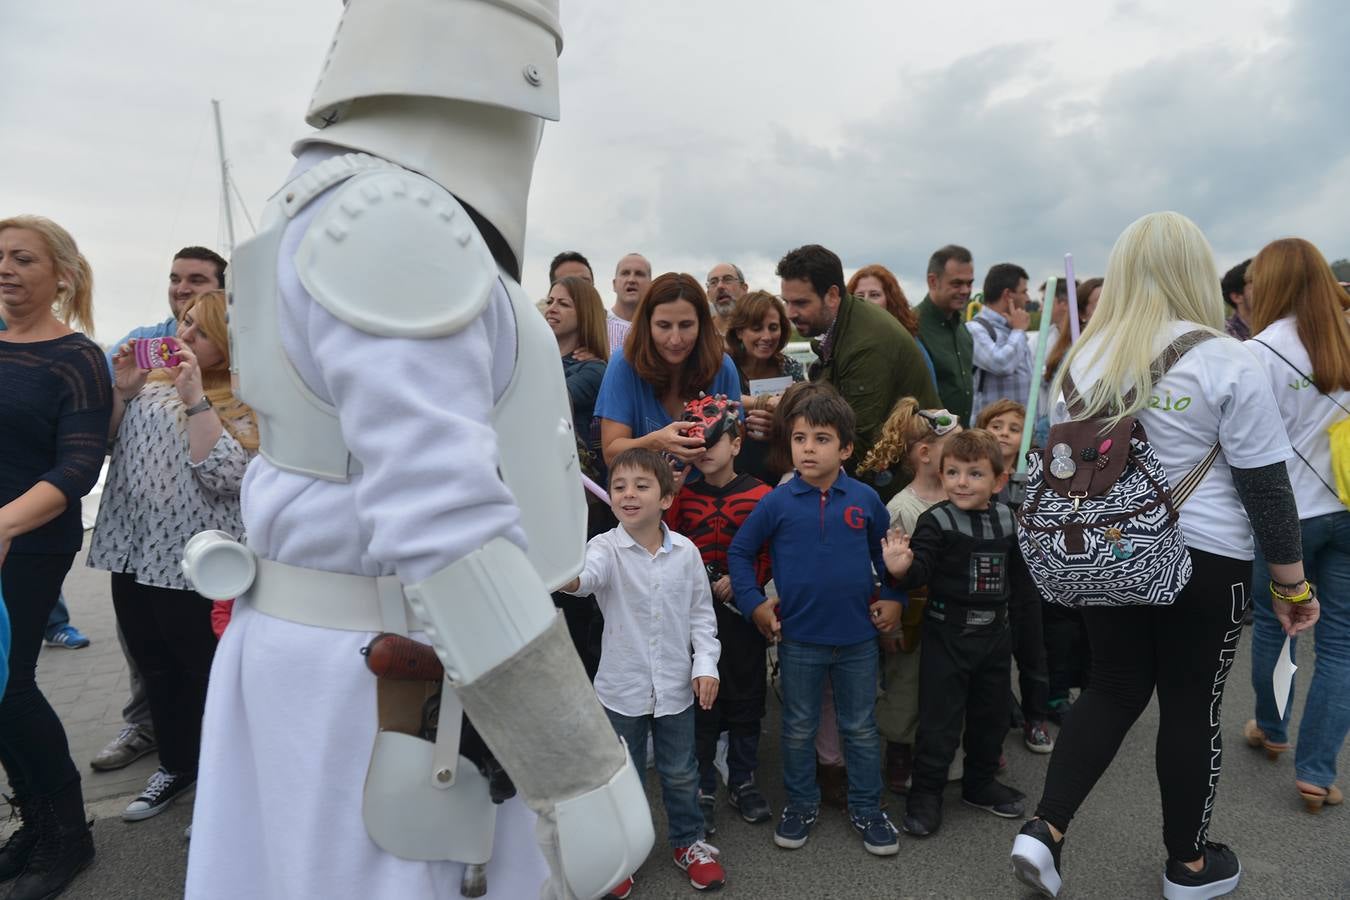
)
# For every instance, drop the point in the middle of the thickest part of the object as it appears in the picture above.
(394, 254)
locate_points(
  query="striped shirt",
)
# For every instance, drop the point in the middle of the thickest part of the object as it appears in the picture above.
(617, 329)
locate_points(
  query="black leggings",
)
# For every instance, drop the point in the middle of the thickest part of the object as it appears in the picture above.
(1184, 650)
(33, 747)
(169, 636)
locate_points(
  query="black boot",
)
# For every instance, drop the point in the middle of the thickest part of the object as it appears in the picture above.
(14, 854)
(64, 847)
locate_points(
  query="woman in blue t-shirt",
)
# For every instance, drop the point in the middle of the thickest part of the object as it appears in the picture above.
(671, 355)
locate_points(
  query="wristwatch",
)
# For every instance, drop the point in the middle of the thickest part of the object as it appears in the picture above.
(201, 405)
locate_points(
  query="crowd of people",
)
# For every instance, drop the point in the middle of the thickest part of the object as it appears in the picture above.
(858, 515)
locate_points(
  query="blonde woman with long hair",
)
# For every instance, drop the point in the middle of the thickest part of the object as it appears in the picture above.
(55, 399)
(1302, 341)
(1161, 284)
(180, 444)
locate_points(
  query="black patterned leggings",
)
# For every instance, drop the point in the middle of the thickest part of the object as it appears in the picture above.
(1184, 650)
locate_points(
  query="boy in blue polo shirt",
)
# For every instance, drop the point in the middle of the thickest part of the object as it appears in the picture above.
(824, 531)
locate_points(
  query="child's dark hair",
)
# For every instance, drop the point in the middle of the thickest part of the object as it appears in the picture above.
(975, 445)
(648, 461)
(826, 411)
(780, 432)
(1000, 408)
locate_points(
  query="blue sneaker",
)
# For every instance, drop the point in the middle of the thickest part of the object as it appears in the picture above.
(794, 827)
(67, 636)
(878, 833)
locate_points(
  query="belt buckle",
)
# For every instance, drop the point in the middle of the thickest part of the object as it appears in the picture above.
(980, 617)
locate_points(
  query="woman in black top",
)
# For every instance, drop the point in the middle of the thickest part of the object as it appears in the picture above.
(55, 404)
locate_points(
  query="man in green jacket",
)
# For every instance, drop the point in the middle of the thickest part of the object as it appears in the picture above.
(864, 352)
(951, 275)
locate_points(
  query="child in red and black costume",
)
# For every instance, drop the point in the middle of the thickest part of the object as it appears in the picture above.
(709, 512)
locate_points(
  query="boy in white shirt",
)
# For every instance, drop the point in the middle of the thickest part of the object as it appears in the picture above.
(653, 591)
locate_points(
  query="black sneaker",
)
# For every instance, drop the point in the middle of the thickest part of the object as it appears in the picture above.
(998, 799)
(923, 814)
(1219, 876)
(1035, 858)
(163, 788)
(750, 803)
(707, 804)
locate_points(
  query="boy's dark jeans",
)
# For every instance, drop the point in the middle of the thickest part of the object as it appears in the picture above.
(673, 746)
(964, 678)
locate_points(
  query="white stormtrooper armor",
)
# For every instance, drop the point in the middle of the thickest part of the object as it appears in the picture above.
(440, 100)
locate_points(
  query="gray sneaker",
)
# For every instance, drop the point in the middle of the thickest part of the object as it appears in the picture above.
(131, 743)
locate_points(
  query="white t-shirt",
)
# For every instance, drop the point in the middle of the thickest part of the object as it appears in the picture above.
(1307, 414)
(1215, 392)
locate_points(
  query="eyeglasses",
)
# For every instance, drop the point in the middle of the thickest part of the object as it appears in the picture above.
(940, 420)
(725, 279)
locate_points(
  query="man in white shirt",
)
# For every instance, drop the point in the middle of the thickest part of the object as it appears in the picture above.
(653, 591)
(631, 277)
(1002, 355)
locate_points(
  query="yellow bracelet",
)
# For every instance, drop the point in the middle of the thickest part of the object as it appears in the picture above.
(1302, 597)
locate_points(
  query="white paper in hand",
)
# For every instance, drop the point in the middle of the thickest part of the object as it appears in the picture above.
(1284, 676)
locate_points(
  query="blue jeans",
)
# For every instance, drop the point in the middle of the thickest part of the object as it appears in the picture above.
(1326, 711)
(852, 669)
(59, 618)
(673, 744)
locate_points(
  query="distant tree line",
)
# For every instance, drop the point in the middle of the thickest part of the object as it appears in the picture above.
(1342, 269)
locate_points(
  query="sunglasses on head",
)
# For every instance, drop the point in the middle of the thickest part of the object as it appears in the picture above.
(940, 420)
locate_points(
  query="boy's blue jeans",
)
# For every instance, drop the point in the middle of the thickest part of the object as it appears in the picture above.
(1326, 711)
(673, 744)
(852, 669)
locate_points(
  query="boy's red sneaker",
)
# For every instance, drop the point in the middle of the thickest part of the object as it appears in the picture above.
(622, 890)
(700, 861)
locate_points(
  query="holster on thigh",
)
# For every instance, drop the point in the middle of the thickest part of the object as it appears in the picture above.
(422, 799)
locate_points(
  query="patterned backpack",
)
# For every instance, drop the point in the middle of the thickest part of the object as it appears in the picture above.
(1098, 526)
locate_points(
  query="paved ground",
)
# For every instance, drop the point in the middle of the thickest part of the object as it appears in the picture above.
(1114, 849)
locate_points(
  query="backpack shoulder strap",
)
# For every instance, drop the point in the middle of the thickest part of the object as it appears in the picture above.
(1170, 356)
(1301, 373)
(1304, 459)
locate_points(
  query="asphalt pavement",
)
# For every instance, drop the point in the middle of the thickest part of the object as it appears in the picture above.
(1113, 850)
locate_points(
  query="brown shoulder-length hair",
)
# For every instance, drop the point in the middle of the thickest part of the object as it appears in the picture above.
(1065, 338)
(700, 367)
(751, 310)
(590, 309)
(1291, 277)
(897, 304)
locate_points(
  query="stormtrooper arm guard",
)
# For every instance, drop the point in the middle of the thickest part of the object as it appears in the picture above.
(508, 655)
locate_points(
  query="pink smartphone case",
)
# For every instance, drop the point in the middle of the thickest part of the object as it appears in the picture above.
(156, 353)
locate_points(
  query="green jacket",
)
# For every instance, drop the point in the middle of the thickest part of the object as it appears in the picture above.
(953, 352)
(873, 362)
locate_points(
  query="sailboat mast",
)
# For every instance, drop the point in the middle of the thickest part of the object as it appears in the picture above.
(224, 180)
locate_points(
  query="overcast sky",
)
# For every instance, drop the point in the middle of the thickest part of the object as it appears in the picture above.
(699, 131)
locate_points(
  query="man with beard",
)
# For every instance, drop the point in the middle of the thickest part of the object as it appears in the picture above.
(631, 277)
(726, 287)
(864, 352)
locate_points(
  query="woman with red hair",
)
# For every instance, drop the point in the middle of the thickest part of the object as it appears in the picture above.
(878, 285)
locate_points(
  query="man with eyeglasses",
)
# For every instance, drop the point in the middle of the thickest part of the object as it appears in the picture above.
(726, 287)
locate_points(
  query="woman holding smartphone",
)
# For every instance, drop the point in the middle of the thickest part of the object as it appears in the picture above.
(181, 443)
